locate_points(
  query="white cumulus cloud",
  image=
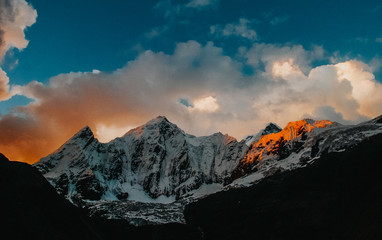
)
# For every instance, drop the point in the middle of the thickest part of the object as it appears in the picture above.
(206, 104)
(15, 17)
(4, 86)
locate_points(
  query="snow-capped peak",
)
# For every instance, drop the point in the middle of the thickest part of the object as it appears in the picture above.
(158, 162)
(156, 159)
(270, 128)
(81, 139)
(85, 132)
(159, 122)
(157, 126)
(159, 119)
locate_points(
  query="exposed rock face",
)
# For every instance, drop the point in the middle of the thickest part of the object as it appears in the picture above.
(159, 163)
(280, 144)
(301, 142)
(270, 128)
(156, 159)
(335, 197)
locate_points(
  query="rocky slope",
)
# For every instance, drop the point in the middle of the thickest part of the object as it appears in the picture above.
(155, 161)
(149, 174)
(270, 128)
(299, 144)
(279, 145)
(335, 197)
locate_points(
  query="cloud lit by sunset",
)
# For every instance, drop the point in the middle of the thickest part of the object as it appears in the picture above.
(207, 104)
(285, 69)
(237, 74)
(107, 133)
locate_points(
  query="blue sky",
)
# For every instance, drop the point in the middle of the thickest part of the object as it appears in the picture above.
(71, 36)
(209, 65)
(90, 34)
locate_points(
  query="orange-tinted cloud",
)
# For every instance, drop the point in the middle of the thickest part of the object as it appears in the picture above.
(149, 86)
(221, 97)
(4, 86)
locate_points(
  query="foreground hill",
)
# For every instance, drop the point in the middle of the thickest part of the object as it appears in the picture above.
(31, 208)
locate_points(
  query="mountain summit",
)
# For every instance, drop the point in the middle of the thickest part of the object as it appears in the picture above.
(160, 163)
(154, 160)
(270, 128)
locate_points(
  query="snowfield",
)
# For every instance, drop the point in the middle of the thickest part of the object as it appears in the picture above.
(150, 174)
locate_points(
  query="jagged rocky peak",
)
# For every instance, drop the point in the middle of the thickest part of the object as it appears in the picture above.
(159, 125)
(279, 145)
(69, 151)
(292, 131)
(159, 122)
(159, 119)
(159, 162)
(155, 159)
(82, 138)
(270, 128)
(85, 132)
(296, 129)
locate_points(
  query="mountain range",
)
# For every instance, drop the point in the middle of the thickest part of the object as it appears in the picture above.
(310, 180)
(148, 175)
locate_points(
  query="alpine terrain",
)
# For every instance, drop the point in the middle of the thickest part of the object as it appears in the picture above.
(148, 175)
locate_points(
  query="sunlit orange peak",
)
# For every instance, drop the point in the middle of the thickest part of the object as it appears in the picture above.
(268, 144)
(294, 130)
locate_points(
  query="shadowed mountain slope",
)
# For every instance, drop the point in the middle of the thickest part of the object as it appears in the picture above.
(337, 197)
